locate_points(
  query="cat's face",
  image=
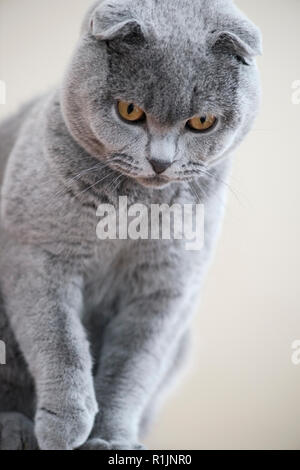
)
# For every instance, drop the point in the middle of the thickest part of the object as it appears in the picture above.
(160, 91)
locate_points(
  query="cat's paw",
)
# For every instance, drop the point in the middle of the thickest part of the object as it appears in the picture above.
(100, 444)
(65, 421)
(16, 432)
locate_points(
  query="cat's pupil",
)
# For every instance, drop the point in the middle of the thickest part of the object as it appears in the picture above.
(203, 119)
(130, 109)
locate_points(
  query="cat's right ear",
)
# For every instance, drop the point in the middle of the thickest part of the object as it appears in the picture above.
(110, 21)
(237, 44)
(241, 37)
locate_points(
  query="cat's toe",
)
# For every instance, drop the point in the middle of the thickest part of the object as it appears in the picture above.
(100, 444)
(96, 444)
(123, 445)
(127, 446)
(16, 432)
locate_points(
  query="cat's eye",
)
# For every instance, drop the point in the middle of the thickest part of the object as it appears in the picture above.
(130, 112)
(202, 123)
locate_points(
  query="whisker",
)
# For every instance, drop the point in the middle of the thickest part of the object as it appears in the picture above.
(111, 185)
(95, 184)
(76, 178)
(121, 180)
(67, 184)
(195, 192)
(206, 172)
(216, 195)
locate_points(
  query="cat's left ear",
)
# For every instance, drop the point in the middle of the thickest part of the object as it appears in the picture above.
(243, 39)
(112, 20)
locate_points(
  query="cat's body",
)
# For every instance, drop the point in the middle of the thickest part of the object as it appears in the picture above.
(135, 299)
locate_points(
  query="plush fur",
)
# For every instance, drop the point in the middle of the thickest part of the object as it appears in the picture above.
(95, 329)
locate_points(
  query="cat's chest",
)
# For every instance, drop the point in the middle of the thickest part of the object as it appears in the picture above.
(115, 238)
(105, 271)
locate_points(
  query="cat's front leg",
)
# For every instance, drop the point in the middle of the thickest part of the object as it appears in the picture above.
(43, 301)
(138, 346)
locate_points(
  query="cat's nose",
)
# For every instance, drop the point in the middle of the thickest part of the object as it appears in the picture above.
(159, 166)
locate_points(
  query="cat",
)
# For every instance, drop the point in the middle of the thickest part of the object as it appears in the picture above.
(155, 100)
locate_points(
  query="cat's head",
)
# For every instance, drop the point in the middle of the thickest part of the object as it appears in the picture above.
(160, 88)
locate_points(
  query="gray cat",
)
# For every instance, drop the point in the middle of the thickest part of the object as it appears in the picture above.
(158, 95)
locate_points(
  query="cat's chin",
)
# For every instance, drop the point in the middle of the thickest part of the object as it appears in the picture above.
(154, 182)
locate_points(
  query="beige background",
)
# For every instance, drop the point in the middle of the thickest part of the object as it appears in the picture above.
(243, 390)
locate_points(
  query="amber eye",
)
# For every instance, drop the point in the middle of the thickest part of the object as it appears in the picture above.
(202, 123)
(130, 112)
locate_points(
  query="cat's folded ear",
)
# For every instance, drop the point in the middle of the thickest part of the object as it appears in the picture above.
(242, 39)
(113, 20)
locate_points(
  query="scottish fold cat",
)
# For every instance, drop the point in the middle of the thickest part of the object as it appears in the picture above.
(157, 96)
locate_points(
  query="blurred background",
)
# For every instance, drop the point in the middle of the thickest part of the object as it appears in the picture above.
(242, 390)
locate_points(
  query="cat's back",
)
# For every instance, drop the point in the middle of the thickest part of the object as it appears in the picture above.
(9, 131)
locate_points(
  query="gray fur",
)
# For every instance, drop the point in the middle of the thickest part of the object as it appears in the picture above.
(101, 325)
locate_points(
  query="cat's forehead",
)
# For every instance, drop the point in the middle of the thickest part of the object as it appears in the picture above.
(171, 17)
(171, 81)
(166, 55)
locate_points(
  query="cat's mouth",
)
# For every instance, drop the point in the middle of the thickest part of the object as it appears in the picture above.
(157, 181)
(154, 181)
